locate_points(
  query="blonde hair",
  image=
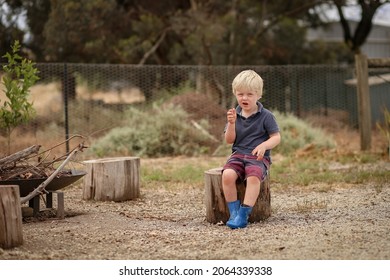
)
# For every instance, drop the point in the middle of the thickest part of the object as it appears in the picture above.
(248, 80)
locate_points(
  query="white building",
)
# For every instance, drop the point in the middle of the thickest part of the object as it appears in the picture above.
(377, 44)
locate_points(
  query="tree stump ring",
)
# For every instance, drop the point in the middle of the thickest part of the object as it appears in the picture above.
(216, 207)
(112, 179)
(11, 234)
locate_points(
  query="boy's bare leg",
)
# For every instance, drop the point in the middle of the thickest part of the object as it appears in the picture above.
(252, 190)
(229, 178)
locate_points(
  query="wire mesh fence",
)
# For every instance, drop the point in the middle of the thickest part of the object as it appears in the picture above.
(90, 99)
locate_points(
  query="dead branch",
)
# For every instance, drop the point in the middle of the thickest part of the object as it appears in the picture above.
(61, 143)
(42, 186)
(154, 47)
(12, 159)
(33, 170)
(31, 163)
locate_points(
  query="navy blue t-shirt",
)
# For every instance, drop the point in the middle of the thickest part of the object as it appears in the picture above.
(254, 130)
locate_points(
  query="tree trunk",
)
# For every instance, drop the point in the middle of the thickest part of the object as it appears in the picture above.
(11, 234)
(112, 179)
(216, 207)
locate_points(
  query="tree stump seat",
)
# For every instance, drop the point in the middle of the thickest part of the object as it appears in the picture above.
(112, 179)
(11, 234)
(216, 207)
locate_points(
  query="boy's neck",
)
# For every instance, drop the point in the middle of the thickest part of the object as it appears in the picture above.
(249, 113)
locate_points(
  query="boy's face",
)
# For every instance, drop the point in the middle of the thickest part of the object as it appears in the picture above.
(246, 99)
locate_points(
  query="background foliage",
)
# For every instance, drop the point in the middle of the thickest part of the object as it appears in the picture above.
(206, 32)
(153, 133)
(20, 74)
(167, 131)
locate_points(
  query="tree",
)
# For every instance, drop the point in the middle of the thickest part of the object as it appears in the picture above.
(9, 29)
(368, 9)
(20, 75)
(206, 32)
(90, 31)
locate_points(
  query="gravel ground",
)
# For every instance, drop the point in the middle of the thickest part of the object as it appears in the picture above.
(313, 222)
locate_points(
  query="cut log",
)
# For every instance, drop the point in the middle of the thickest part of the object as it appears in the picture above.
(216, 207)
(12, 159)
(112, 179)
(11, 234)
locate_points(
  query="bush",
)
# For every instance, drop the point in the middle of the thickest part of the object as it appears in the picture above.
(167, 131)
(20, 74)
(154, 133)
(297, 134)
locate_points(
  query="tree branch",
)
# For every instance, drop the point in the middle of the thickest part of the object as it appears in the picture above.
(273, 21)
(19, 155)
(43, 185)
(154, 47)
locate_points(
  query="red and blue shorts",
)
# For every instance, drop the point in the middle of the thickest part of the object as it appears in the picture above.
(248, 165)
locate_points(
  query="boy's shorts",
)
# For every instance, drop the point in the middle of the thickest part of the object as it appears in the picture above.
(248, 165)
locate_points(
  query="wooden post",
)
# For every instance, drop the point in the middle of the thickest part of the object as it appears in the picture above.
(60, 203)
(112, 179)
(364, 105)
(216, 208)
(11, 234)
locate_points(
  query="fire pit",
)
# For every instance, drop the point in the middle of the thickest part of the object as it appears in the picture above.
(29, 172)
(28, 185)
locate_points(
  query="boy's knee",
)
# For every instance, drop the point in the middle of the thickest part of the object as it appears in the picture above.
(229, 175)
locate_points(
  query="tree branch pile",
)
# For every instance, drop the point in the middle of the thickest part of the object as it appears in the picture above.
(30, 164)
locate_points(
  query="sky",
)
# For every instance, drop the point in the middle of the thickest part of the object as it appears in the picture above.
(382, 15)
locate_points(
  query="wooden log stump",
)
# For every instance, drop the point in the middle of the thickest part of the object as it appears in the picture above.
(11, 234)
(112, 179)
(216, 207)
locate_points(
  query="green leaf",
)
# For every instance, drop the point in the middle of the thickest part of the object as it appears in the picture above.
(19, 75)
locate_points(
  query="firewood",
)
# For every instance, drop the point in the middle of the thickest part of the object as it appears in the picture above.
(12, 159)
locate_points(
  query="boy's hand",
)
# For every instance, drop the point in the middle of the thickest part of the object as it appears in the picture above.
(231, 116)
(259, 151)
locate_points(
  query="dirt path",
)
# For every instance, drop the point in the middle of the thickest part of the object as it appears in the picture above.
(348, 222)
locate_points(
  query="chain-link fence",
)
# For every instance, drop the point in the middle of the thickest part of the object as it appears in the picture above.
(90, 99)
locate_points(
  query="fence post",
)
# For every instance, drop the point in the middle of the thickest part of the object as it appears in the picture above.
(65, 92)
(363, 98)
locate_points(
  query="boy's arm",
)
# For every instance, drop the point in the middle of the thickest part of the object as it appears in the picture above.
(230, 133)
(272, 142)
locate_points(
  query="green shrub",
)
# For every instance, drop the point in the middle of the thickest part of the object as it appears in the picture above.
(297, 134)
(154, 133)
(20, 74)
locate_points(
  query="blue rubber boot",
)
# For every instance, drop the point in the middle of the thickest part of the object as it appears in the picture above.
(233, 210)
(241, 220)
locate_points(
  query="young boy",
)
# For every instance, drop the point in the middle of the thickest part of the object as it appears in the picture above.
(253, 131)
